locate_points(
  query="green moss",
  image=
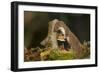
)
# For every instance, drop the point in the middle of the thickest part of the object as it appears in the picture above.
(57, 54)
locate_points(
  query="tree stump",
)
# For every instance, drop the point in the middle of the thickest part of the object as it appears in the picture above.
(50, 40)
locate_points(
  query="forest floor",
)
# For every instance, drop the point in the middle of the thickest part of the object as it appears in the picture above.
(46, 54)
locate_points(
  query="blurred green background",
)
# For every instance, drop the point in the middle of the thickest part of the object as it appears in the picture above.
(36, 26)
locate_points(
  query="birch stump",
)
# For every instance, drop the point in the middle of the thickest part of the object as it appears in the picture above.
(50, 40)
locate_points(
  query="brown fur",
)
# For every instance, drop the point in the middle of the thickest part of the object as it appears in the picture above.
(71, 38)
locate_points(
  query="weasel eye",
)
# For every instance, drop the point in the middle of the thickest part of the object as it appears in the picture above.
(59, 31)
